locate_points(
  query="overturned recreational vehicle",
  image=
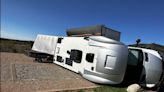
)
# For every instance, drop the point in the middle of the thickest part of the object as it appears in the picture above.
(96, 58)
(96, 53)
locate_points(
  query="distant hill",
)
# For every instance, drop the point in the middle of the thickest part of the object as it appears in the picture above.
(154, 46)
(16, 46)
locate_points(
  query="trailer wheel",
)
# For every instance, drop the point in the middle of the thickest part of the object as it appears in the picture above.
(40, 60)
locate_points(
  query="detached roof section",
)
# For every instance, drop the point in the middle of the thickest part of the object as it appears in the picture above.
(97, 30)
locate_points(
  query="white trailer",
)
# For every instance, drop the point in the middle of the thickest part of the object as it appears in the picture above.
(96, 58)
(103, 60)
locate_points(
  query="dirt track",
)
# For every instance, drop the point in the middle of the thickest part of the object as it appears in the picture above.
(20, 73)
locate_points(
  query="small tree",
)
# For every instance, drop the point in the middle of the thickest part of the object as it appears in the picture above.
(137, 42)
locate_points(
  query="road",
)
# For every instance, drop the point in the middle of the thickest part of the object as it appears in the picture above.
(20, 73)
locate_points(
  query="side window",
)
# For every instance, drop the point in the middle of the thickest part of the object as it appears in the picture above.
(76, 55)
(135, 57)
(59, 40)
(90, 57)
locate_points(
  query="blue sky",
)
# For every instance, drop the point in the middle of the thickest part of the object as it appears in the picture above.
(24, 19)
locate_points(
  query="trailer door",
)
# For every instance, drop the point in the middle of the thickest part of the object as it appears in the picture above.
(134, 66)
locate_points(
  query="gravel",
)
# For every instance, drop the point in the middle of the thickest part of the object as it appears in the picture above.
(30, 71)
(20, 73)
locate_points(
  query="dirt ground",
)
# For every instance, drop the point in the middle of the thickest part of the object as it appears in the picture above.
(20, 73)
